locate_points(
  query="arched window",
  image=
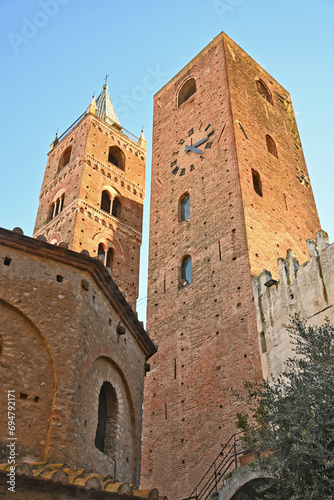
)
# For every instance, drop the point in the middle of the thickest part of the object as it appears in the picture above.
(105, 202)
(57, 206)
(184, 207)
(101, 253)
(105, 256)
(271, 146)
(264, 92)
(110, 258)
(106, 431)
(257, 183)
(186, 271)
(116, 208)
(186, 91)
(65, 158)
(116, 157)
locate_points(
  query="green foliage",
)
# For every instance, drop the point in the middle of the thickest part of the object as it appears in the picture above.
(293, 425)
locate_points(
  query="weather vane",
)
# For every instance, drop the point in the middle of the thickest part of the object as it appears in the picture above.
(106, 80)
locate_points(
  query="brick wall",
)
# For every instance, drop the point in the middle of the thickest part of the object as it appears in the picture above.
(82, 224)
(206, 331)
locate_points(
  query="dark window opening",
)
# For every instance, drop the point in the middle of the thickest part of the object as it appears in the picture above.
(185, 207)
(116, 208)
(110, 258)
(186, 91)
(264, 92)
(57, 207)
(105, 438)
(186, 271)
(271, 146)
(7, 261)
(257, 183)
(101, 252)
(116, 157)
(105, 202)
(65, 158)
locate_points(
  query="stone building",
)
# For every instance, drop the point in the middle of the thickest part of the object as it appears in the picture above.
(230, 194)
(72, 350)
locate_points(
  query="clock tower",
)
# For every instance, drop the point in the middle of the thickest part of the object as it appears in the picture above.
(93, 192)
(230, 194)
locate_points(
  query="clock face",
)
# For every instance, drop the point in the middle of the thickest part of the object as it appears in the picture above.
(192, 149)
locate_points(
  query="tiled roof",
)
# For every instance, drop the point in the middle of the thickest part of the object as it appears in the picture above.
(81, 477)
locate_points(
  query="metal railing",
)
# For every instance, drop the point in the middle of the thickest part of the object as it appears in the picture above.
(224, 463)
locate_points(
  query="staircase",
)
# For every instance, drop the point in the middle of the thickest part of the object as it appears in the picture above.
(223, 464)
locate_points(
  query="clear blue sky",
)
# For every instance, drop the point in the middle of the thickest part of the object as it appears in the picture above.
(56, 53)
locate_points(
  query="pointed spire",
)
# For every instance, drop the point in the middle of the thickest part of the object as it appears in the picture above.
(55, 142)
(92, 107)
(142, 142)
(105, 109)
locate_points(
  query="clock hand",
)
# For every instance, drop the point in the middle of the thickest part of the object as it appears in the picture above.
(201, 142)
(193, 148)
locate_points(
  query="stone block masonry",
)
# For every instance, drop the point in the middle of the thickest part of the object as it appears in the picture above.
(65, 331)
(306, 289)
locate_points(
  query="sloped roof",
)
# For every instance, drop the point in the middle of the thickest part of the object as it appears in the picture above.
(105, 109)
(49, 477)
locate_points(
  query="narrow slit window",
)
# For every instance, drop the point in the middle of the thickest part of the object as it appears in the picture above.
(257, 183)
(184, 207)
(242, 130)
(186, 271)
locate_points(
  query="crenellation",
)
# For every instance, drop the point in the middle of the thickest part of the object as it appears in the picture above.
(306, 289)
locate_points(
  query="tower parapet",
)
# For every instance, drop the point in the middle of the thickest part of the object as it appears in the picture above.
(306, 289)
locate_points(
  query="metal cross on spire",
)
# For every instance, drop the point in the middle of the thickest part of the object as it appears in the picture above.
(106, 80)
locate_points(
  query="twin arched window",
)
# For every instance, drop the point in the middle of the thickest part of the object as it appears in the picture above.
(57, 206)
(186, 271)
(184, 207)
(106, 256)
(113, 207)
(108, 415)
(64, 158)
(116, 157)
(186, 91)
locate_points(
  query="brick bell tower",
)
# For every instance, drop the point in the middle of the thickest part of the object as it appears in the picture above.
(230, 194)
(93, 192)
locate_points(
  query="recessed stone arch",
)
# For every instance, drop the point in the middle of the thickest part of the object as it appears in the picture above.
(28, 368)
(102, 371)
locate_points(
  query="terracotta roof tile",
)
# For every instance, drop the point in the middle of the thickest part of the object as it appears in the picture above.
(82, 477)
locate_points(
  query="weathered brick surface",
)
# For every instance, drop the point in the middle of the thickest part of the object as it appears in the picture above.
(59, 344)
(82, 224)
(206, 331)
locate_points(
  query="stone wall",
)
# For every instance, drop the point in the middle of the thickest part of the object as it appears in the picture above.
(60, 340)
(306, 289)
